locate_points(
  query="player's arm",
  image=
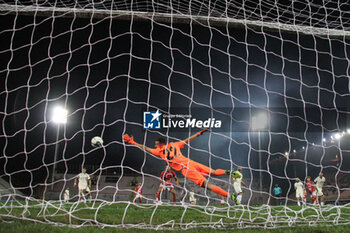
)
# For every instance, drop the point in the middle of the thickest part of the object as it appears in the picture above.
(244, 184)
(75, 181)
(89, 183)
(161, 178)
(131, 141)
(143, 147)
(189, 139)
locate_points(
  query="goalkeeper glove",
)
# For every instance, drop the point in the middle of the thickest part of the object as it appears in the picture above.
(201, 132)
(129, 139)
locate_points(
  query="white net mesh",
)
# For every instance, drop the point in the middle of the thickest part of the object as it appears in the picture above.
(108, 62)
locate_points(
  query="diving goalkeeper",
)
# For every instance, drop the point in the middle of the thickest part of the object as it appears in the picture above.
(192, 170)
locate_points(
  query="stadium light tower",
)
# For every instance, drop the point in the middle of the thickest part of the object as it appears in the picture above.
(59, 116)
(258, 124)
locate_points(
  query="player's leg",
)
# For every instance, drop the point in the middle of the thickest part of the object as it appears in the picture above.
(193, 201)
(88, 193)
(81, 194)
(222, 201)
(196, 177)
(322, 200)
(89, 196)
(173, 193)
(314, 198)
(138, 199)
(239, 197)
(159, 192)
(214, 188)
(205, 171)
(320, 194)
(279, 198)
(238, 190)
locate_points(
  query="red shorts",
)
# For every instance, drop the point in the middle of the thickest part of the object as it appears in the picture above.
(195, 172)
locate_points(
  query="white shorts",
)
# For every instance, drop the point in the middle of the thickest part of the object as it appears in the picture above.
(319, 191)
(299, 194)
(193, 201)
(167, 187)
(138, 195)
(84, 188)
(237, 187)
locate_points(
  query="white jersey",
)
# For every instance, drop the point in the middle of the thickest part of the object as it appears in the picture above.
(83, 179)
(238, 180)
(299, 187)
(192, 198)
(319, 184)
(320, 181)
(237, 183)
(66, 195)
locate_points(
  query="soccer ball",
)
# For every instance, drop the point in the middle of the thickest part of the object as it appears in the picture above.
(96, 141)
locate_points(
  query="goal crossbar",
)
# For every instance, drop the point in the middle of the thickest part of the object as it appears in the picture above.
(171, 18)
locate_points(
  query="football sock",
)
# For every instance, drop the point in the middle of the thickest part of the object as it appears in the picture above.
(219, 191)
(239, 198)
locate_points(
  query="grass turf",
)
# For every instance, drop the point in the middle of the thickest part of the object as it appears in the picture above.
(118, 217)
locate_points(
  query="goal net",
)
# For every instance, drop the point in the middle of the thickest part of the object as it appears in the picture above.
(269, 81)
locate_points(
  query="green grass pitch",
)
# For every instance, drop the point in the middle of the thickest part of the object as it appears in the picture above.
(126, 217)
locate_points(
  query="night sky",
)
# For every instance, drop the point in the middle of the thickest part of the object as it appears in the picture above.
(107, 72)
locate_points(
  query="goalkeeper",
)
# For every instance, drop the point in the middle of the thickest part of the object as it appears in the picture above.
(192, 170)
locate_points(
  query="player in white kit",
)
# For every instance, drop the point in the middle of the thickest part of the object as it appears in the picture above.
(66, 195)
(319, 181)
(84, 184)
(193, 200)
(237, 185)
(299, 190)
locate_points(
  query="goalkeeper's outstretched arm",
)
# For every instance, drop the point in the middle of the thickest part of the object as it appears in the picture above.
(189, 139)
(143, 147)
(131, 141)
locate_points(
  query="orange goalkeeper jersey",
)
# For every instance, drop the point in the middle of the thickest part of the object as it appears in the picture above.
(172, 154)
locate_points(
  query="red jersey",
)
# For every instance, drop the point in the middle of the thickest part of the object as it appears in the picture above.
(138, 189)
(172, 154)
(310, 186)
(168, 177)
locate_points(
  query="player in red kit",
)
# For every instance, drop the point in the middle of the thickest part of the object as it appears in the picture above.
(166, 183)
(138, 190)
(310, 185)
